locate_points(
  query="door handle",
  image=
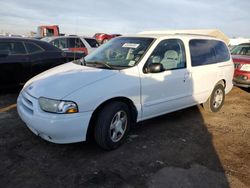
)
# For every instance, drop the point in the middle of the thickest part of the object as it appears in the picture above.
(186, 76)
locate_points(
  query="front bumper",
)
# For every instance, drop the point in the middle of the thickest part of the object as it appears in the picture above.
(56, 128)
(241, 81)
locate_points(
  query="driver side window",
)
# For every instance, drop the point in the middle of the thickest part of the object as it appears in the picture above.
(170, 53)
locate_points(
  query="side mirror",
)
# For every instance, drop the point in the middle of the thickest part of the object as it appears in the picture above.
(4, 53)
(154, 68)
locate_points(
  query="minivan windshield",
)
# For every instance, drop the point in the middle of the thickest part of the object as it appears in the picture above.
(119, 53)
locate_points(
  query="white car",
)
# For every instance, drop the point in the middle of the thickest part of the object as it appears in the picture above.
(73, 43)
(127, 80)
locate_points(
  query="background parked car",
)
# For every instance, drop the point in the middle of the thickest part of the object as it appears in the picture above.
(21, 59)
(103, 38)
(241, 58)
(236, 41)
(73, 43)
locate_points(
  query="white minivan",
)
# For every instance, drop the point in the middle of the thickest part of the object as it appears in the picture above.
(127, 80)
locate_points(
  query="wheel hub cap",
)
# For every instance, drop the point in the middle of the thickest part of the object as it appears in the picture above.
(218, 98)
(118, 126)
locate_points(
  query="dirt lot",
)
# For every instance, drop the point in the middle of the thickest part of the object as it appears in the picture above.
(189, 148)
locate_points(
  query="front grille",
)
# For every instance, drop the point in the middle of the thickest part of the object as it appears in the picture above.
(26, 103)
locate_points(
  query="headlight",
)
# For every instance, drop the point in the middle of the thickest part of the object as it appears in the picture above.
(57, 106)
(245, 67)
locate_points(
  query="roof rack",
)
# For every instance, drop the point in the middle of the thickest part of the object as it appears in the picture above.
(193, 34)
(201, 32)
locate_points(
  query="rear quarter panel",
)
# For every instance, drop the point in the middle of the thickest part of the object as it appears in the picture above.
(205, 77)
(226, 73)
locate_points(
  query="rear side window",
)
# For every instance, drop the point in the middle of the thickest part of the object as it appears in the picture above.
(60, 43)
(92, 42)
(222, 53)
(75, 43)
(205, 52)
(14, 48)
(33, 48)
(55, 43)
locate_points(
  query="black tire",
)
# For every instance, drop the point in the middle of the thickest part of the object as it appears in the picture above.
(105, 120)
(211, 105)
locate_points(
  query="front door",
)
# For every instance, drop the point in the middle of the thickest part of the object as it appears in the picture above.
(15, 66)
(168, 90)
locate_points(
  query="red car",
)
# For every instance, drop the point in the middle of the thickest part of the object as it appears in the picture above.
(103, 38)
(241, 58)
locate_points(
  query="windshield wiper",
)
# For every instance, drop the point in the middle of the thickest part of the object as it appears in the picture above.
(99, 63)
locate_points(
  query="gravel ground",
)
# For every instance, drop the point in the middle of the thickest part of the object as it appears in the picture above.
(189, 148)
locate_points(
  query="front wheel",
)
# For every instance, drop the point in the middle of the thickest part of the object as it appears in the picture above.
(216, 99)
(112, 126)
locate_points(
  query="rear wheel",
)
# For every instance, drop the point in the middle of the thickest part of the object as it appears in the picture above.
(112, 126)
(216, 99)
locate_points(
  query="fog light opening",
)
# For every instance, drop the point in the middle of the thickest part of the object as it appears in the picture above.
(244, 77)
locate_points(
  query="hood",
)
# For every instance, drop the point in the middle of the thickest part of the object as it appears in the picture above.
(61, 81)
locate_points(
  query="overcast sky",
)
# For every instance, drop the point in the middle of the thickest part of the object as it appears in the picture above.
(87, 17)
